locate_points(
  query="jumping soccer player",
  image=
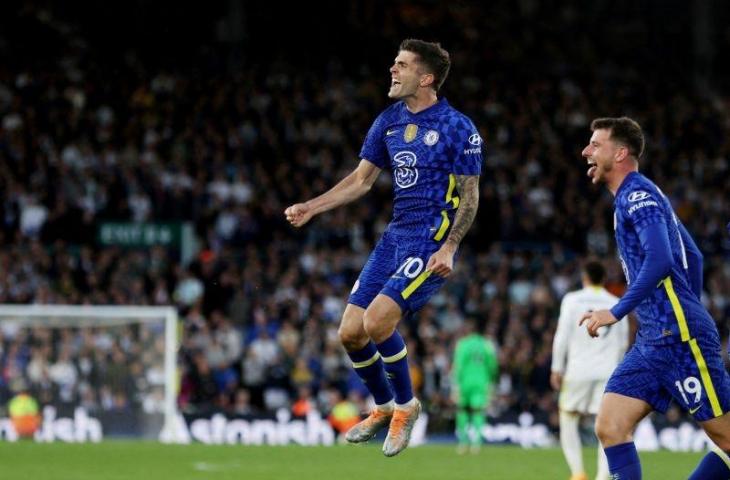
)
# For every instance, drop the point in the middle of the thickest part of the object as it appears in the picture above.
(435, 154)
(677, 353)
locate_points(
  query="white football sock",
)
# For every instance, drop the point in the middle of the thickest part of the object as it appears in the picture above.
(570, 441)
(409, 404)
(602, 464)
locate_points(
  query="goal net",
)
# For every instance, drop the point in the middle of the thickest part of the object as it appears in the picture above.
(90, 372)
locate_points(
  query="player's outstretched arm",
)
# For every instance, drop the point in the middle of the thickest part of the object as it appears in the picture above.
(442, 261)
(350, 188)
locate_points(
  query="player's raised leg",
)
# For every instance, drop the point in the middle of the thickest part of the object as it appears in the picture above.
(368, 364)
(716, 464)
(617, 418)
(380, 320)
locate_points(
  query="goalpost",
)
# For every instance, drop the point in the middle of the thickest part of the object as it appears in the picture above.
(102, 332)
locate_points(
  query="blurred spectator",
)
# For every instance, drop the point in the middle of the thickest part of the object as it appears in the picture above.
(343, 412)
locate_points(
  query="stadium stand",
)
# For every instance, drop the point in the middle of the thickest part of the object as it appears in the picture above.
(224, 135)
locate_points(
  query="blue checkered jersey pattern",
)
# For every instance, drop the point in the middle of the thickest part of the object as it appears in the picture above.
(670, 311)
(424, 151)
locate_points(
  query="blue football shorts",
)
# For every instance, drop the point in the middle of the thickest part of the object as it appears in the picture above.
(397, 268)
(693, 373)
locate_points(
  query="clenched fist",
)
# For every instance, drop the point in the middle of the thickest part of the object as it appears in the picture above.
(298, 214)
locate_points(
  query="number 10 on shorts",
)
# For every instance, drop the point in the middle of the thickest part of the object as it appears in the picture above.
(411, 267)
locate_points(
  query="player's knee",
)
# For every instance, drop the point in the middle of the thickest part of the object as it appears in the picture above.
(373, 326)
(352, 339)
(602, 432)
(610, 432)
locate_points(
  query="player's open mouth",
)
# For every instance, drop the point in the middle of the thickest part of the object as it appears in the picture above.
(394, 83)
(592, 169)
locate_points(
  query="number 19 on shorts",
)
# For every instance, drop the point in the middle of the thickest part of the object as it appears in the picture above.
(691, 386)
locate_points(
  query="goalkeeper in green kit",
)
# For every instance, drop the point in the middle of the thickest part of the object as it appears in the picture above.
(474, 371)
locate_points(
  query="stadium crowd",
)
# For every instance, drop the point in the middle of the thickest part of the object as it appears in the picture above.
(86, 139)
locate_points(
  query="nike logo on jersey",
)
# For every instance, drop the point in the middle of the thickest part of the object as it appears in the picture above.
(693, 410)
(391, 132)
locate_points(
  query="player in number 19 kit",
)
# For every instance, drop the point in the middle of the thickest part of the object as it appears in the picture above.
(677, 353)
(434, 155)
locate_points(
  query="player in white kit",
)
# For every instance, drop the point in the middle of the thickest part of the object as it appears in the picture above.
(581, 364)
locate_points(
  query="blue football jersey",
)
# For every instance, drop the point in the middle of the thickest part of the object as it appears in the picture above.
(672, 312)
(424, 151)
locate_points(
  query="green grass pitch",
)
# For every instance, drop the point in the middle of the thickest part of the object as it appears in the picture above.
(117, 460)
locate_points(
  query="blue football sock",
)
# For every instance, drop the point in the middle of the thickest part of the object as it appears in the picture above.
(623, 462)
(711, 467)
(369, 366)
(395, 359)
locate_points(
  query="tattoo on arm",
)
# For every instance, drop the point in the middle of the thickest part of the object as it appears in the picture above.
(468, 188)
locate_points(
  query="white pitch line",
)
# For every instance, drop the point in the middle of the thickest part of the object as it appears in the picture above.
(215, 467)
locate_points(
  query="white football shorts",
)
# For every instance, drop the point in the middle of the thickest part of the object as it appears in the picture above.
(582, 396)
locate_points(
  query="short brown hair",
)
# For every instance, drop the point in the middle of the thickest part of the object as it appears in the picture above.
(432, 56)
(624, 130)
(595, 271)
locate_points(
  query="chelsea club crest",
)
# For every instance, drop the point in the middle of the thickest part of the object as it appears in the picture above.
(431, 137)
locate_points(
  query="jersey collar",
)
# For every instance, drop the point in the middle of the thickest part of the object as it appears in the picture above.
(624, 184)
(432, 110)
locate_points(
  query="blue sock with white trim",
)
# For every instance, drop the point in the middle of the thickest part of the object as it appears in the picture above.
(623, 462)
(712, 467)
(369, 366)
(395, 359)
